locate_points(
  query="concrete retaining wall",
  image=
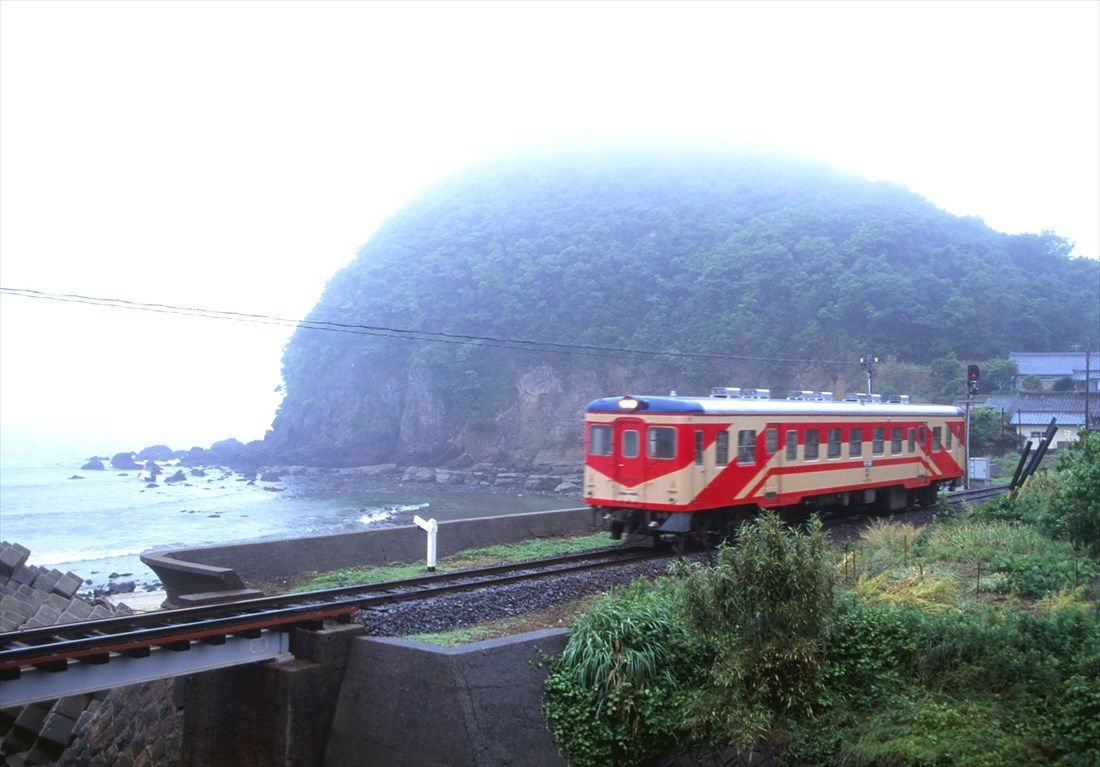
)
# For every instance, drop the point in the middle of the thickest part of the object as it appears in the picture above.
(263, 714)
(219, 568)
(407, 703)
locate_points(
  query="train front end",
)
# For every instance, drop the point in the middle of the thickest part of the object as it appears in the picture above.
(637, 468)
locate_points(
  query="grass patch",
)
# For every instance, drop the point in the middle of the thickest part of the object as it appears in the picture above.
(559, 616)
(967, 541)
(489, 555)
(451, 638)
(933, 588)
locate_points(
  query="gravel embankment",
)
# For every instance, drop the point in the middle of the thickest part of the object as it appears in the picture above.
(474, 607)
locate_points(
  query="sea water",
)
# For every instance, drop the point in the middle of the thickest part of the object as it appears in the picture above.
(98, 524)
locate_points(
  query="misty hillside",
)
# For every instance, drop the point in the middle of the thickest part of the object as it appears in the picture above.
(693, 251)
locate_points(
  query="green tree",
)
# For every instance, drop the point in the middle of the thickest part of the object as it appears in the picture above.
(1077, 494)
(985, 425)
(989, 431)
(1031, 383)
(764, 610)
(998, 375)
(1064, 383)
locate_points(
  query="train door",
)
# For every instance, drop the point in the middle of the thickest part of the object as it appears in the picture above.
(629, 451)
(773, 480)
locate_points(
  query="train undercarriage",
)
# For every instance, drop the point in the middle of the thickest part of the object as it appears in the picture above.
(711, 526)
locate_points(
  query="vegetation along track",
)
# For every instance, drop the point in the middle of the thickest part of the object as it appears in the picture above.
(94, 641)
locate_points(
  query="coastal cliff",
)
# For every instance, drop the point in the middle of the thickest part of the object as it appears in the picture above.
(439, 344)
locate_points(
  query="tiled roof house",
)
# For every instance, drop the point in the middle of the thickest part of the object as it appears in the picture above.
(1030, 413)
(1049, 367)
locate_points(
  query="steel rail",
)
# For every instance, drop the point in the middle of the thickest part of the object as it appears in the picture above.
(98, 639)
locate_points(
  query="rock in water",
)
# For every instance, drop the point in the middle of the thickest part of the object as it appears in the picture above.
(94, 464)
(124, 461)
(156, 453)
(179, 476)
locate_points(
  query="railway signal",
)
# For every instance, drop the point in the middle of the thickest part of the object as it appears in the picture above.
(973, 373)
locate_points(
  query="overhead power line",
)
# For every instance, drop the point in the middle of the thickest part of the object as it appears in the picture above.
(553, 347)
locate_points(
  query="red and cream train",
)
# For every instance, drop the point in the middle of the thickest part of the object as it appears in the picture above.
(681, 464)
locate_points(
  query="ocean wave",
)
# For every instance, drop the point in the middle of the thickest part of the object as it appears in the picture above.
(382, 514)
(376, 516)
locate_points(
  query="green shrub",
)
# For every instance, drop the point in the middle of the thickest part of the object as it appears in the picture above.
(870, 650)
(980, 685)
(764, 611)
(936, 730)
(1021, 558)
(619, 691)
(1077, 497)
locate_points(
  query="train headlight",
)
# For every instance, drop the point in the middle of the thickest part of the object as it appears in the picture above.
(629, 403)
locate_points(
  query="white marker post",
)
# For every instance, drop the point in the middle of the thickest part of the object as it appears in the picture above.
(431, 527)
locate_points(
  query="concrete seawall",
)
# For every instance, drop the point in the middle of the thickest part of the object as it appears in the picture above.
(226, 567)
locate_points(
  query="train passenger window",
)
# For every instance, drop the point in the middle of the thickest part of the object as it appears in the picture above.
(922, 435)
(662, 442)
(698, 447)
(630, 443)
(855, 443)
(771, 440)
(878, 446)
(895, 439)
(792, 445)
(722, 448)
(937, 438)
(746, 446)
(912, 440)
(599, 440)
(834, 443)
(947, 437)
(813, 439)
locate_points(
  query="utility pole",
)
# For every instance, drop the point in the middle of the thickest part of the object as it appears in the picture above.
(973, 374)
(868, 363)
(1088, 383)
(1001, 433)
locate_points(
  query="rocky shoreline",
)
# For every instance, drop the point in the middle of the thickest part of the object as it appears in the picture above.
(254, 463)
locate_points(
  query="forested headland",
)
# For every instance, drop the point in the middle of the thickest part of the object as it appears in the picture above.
(787, 269)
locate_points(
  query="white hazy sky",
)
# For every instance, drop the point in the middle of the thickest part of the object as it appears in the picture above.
(234, 155)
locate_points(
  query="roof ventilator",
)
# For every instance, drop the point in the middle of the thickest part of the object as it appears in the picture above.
(733, 392)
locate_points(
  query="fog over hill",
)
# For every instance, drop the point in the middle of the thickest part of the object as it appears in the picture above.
(661, 248)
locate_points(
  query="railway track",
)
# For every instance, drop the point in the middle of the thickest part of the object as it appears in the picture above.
(53, 648)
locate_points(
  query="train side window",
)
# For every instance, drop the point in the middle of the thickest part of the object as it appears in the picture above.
(661, 442)
(746, 446)
(912, 440)
(834, 443)
(878, 446)
(937, 438)
(813, 439)
(698, 447)
(792, 445)
(630, 443)
(722, 448)
(599, 440)
(922, 435)
(947, 436)
(855, 442)
(771, 440)
(895, 439)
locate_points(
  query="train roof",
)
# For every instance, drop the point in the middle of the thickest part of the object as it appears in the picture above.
(667, 405)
